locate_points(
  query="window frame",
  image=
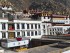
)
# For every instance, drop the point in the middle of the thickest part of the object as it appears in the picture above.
(4, 35)
(39, 26)
(32, 33)
(3, 26)
(31, 26)
(23, 25)
(39, 32)
(35, 26)
(28, 33)
(44, 26)
(35, 33)
(18, 35)
(23, 33)
(27, 26)
(18, 25)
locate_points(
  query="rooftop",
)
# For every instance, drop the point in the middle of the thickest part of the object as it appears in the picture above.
(59, 16)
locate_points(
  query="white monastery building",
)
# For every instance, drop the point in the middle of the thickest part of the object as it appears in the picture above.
(34, 25)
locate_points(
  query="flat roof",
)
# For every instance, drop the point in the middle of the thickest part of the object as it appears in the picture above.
(59, 16)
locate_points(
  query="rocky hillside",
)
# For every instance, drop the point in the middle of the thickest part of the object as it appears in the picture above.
(53, 6)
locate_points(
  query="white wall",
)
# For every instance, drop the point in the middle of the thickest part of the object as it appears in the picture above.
(45, 18)
(20, 30)
(3, 20)
(0, 35)
(63, 27)
(23, 21)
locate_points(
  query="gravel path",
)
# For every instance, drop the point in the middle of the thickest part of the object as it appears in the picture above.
(41, 49)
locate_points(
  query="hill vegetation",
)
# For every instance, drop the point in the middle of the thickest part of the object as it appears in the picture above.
(53, 6)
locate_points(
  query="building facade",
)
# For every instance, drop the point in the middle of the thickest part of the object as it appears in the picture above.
(57, 24)
(33, 25)
(19, 24)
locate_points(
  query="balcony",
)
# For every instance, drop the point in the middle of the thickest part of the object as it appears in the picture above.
(11, 27)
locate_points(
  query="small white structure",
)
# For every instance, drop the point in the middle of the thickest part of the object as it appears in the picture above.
(7, 8)
(4, 8)
(8, 43)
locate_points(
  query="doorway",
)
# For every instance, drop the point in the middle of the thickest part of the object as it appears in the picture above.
(11, 35)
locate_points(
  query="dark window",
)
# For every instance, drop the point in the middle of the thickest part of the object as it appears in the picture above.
(35, 32)
(18, 34)
(50, 33)
(44, 26)
(32, 33)
(48, 17)
(3, 26)
(53, 29)
(44, 31)
(60, 29)
(11, 26)
(44, 17)
(18, 26)
(31, 26)
(39, 26)
(53, 33)
(28, 33)
(39, 32)
(35, 26)
(3, 35)
(27, 26)
(23, 33)
(23, 26)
